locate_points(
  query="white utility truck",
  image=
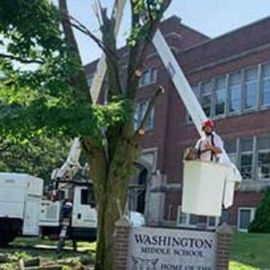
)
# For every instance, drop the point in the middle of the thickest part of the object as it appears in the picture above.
(20, 200)
(25, 211)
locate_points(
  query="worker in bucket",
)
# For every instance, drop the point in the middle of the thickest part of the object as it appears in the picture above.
(209, 147)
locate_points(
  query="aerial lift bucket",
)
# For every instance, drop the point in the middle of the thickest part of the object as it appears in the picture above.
(203, 190)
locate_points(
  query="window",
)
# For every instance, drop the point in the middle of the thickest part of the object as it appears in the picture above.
(265, 99)
(87, 197)
(186, 220)
(206, 97)
(250, 88)
(149, 76)
(246, 157)
(139, 115)
(212, 222)
(182, 219)
(220, 96)
(235, 93)
(235, 97)
(245, 216)
(263, 158)
(84, 197)
(231, 149)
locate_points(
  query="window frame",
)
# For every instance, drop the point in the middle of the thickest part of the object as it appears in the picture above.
(245, 82)
(187, 219)
(257, 164)
(240, 84)
(152, 77)
(216, 222)
(253, 160)
(216, 116)
(140, 110)
(210, 94)
(252, 215)
(258, 105)
(262, 79)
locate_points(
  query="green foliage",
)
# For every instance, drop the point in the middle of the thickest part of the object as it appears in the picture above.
(261, 223)
(39, 100)
(30, 28)
(36, 156)
(145, 12)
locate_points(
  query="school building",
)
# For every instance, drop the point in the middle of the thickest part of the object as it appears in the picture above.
(230, 75)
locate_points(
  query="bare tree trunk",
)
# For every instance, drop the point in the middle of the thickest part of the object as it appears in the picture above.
(112, 193)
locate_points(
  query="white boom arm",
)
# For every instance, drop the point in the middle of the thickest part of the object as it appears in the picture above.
(182, 86)
(71, 165)
(187, 95)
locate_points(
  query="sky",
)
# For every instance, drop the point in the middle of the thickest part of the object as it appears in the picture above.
(211, 17)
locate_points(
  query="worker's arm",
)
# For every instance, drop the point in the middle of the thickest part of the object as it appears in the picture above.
(215, 149)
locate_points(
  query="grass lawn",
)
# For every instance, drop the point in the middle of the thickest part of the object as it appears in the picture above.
(250, 252)
(28, 246)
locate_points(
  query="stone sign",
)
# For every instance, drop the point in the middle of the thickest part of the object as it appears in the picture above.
(171, 249)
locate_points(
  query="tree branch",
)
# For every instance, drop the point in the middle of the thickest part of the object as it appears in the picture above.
(138, 52)
(108, 36)
(109, 52)
(22, 60)
(78, 80)
(149, 109)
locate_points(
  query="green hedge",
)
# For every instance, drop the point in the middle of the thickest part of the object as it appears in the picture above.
(261, 222)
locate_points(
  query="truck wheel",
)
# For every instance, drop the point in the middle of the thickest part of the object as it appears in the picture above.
(7, 237)
(11, 237)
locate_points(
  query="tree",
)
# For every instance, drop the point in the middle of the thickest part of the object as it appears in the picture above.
(30, 156)
(53, 99)
(261, 222)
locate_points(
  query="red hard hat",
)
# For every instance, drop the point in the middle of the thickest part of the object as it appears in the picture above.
(208, 123)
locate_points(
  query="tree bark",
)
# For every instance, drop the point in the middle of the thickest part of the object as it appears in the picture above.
(112, 189)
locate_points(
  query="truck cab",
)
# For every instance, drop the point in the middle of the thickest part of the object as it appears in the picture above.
(83, 219)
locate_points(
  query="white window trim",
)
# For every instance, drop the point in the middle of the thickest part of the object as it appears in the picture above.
(262, 106)
(253, 210)
(150, 70)
(187, 224)
(257, 163)
(139, 114)
(259, 93)
(252, 166)
(217, 116)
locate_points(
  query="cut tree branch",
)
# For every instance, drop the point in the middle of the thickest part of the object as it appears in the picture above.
(149, 109)
(78, 80)
(139, 51)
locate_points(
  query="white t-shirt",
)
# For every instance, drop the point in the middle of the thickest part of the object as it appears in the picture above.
(201, 145)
